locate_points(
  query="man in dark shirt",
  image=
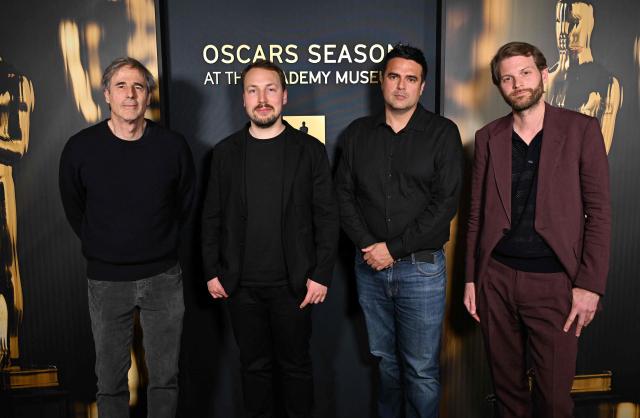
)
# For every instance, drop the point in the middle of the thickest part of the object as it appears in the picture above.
(538, 237)
(398, 185)
(269, 237)
(127, 186)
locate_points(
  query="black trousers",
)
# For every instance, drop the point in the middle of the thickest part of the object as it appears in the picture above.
(273, 335)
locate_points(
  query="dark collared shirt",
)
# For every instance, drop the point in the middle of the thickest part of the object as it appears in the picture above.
(401, 188)
(522, 248)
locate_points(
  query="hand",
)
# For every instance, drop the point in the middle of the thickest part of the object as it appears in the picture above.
(470, 300)
(583, 306)
(215, 289)
(377, 256)
(315, 293)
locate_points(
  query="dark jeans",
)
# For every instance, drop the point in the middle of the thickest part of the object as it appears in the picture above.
(403, 308)
(519, 310)
(111, 305)
(272, 332)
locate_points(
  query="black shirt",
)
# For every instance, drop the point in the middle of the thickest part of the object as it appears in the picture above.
(263, 262)
(126, 200)
(522, 248)
(401, 188)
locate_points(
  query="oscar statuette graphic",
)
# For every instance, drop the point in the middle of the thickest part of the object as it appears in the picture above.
(312, 125)
(577, 81)
(84, 43)
(16, 104)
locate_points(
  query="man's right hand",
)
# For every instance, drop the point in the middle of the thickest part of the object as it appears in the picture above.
(470, 300)
(215, 289)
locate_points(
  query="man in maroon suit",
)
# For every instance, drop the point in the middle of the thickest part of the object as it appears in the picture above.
(538, 237)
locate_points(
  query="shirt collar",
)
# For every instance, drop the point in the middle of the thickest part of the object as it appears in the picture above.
(417, 122)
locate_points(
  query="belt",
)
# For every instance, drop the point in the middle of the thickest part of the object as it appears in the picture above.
(426, 256)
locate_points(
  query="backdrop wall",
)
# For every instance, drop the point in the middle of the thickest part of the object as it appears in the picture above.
(330, 51)
(474, 30)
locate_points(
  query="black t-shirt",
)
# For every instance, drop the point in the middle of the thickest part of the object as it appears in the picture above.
(263, 263)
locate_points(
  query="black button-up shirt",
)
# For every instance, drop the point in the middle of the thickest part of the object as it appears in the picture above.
(522, 248)
(401, 188)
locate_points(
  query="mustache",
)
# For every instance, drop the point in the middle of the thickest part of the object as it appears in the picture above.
(517, 92)
(263, 106)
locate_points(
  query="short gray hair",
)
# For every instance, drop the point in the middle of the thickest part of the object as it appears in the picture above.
(127, 62)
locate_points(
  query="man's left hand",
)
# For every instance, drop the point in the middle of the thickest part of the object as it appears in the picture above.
(315, 293)
(583, 307)
(377, 256)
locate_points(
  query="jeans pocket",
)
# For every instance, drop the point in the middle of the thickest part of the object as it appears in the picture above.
(174, 271)
(430, 269)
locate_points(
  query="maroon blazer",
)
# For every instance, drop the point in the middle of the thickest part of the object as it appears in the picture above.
(573, 211)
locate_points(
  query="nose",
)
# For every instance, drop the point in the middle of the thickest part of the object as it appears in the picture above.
(401, 84)
(517, 82)
(131, 92)
(262, 96)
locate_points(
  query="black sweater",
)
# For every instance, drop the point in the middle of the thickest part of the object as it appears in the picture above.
(126, 200)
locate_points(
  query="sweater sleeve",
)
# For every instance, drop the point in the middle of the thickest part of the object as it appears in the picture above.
(186, 183)
(72, 191)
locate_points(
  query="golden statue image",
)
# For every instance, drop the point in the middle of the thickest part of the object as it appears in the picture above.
(82, 44)
(576, 81)
(16, 104)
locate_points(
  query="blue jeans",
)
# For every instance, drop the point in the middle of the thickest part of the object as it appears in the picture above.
(159, 300)
(403, 308)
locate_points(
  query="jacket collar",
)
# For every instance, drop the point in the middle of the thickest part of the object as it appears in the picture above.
(500, 150)
(292, 150)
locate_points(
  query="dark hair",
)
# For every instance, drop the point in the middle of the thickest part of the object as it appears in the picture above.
(127, 62)
(266, 65)
(514, 49)
(407, 52)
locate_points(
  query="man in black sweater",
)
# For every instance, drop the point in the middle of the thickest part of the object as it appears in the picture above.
(269, 239)
(127, 186)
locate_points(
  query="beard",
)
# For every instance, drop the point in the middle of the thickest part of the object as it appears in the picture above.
(524, 103)
(266, 121)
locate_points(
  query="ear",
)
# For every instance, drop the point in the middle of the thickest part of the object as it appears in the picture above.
(285, 97)
(424, 83)
(107, 96)
(545, 75)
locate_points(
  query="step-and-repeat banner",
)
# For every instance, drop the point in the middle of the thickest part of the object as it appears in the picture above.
(51, 59)
(593, 52)
(52, 55)
(330, 52)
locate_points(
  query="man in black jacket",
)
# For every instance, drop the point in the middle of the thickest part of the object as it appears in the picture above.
(269, 237)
